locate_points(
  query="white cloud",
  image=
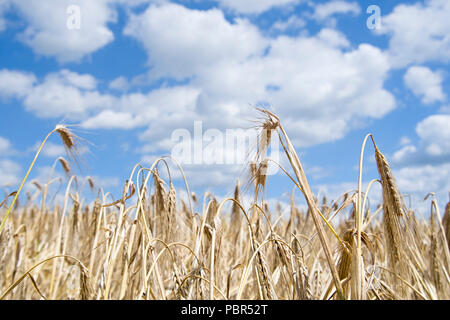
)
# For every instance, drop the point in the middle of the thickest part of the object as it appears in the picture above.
(47, 31)
(120, 83)
(15, 83)
(319, 87)
(9, 172)
(320, 91)
(405, 153)
(4, 6)
(326, 10)
(293, 23)
(204, 38)
(425, 83)
(309, 80)
(419, 180)
(425, 167)
(76, 97)
(433, 145)
(165, 110)
(254, 6)
(333, 38)
(424, 179)
(434, 132)
(5, 145)
(419, 32)
(50, 149)
(65, 93)
(109, 119)
(405, 140)
(59, 94)
(161, 111)
(82, 81)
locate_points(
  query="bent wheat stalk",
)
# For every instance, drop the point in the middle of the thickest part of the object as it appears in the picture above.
(69, 141)
(273, 122)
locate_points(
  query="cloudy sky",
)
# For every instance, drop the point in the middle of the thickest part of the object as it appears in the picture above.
(130, 73)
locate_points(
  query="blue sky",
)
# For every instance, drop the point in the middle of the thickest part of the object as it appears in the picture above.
(135, 71)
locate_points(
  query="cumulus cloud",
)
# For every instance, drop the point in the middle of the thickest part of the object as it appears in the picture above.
(9, 172)
(424, 83)
(15, 84)
(434, 132)
(324, 11)
(76, 97)
(418, 32)
(293, 23)
(5, 145)
(65, 93)
(4, 6)
(405, 140)
(308, 76)
(333, 38)
(47, 31)
(205, 38)
(161, 110)
(320, 87)
(120, 83)
(433, 145)
(419, 180)
(406, 153)
(425, 167)
(50, 149)
(62, 93)
(109, 119)
(424, 179)
(254, 6)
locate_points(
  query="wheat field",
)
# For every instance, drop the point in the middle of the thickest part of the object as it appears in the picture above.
(152, 244)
